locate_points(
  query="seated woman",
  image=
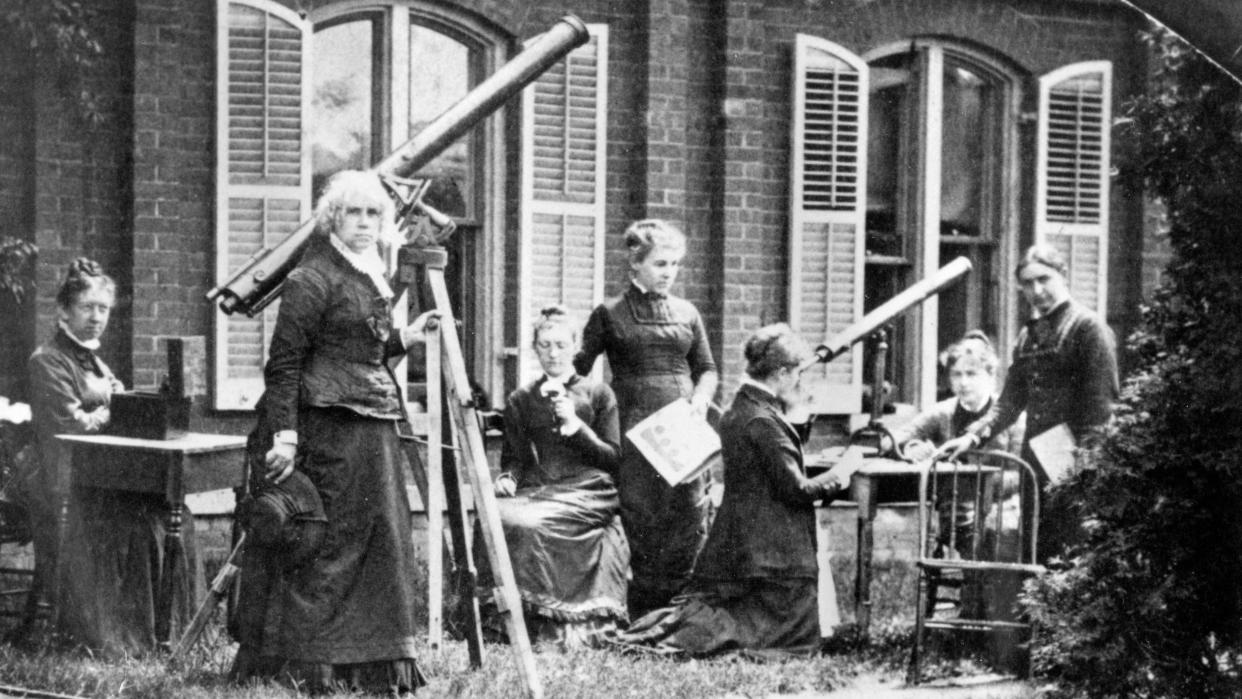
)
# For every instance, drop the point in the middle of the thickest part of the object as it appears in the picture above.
(971, 365)
(754, 584)
(103, 571)
(557, 499)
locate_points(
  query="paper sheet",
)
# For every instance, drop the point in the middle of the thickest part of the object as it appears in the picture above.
(1055, 448)
(679, 444)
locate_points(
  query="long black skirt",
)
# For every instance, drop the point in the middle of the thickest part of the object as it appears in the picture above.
(345, 620)
(761, 614)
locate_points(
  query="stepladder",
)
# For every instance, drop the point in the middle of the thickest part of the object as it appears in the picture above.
(454, 431)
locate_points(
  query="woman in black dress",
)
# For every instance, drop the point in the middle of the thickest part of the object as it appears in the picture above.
(340, 617)
(755, 583)
(104, 571)
(1064, 375)
(657, 349)
(557, 498)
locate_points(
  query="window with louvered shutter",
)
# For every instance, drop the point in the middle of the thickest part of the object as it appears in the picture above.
(563, 164)
(1072, 175)
(827, 211)
(263, 170)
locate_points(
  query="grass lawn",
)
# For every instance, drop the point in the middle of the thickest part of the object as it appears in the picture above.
(585, 673)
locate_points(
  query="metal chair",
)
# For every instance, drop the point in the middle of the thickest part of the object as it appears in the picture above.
(978, 527)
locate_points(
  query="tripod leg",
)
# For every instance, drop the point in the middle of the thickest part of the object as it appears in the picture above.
(433, 498)
(467, 423)
(220, 588)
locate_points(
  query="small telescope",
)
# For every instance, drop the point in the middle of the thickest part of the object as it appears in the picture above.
(838, 344)
(871, 326)
(259, 281)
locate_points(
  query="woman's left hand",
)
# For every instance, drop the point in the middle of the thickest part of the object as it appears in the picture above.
(699, 406)
(415, 332)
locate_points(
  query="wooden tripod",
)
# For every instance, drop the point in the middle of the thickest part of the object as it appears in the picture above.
(446, 367)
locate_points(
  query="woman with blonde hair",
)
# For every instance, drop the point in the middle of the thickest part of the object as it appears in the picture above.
(657, 348)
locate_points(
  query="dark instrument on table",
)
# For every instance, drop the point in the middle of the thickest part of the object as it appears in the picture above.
(871, 327)
(259, 281)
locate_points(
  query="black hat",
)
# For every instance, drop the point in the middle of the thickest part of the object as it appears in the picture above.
(287, 518)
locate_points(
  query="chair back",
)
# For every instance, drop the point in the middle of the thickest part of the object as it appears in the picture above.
(983, 506)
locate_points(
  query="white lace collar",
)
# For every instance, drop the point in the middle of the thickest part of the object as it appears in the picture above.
(369, 263)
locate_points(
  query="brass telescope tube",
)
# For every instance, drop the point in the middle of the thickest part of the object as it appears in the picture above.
(836, 345)
(258, 283)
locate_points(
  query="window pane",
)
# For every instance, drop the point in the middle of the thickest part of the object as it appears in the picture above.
(439, 77)
(342, 109)
(889, 95)
(962, 161)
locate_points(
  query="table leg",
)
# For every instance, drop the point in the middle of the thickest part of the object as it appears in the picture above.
(173, 555)
(863, 492)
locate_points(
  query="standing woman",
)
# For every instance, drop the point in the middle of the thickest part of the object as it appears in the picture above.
(339, 616)
(103, 571)
(1064, 372)
(657, 349)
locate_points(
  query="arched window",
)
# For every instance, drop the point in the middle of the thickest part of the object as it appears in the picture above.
(918, 153)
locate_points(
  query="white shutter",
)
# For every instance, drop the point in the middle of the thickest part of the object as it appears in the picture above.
(1072, 174)
(262, 170)
(564, 141)
(827, 216)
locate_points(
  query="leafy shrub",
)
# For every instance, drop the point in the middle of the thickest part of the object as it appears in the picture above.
(1151, 604)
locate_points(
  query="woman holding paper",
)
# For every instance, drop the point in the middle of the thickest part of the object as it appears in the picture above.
(754, 586)
(657, 349)
(557, 500)
(1064, 375)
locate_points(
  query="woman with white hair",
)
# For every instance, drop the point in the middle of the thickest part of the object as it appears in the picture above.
(339, 616)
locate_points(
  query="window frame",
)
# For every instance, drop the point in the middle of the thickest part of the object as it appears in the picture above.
(1003, 178)
(489, 151)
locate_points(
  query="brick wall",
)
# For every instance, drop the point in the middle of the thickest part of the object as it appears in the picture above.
(17, 159)
(174, 160)
(81, 177)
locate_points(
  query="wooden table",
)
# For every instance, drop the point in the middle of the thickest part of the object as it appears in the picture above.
(169, 468)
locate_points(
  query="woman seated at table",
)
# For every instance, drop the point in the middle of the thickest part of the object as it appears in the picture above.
(103, 574)
(557, 499)
(971, 366)
(754, 584)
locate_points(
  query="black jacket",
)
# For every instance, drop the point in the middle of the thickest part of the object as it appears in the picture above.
(766, 524)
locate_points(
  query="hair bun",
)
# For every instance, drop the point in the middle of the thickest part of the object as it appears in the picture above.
(84, 267)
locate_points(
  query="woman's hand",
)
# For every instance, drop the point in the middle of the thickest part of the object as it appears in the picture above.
(918, 450)
(955, 447)
(566, 417)
(414, 333)
(699, 406)
(505, 486)
(280, 461)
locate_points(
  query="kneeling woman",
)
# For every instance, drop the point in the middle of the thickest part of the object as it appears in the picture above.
(557, 499)
(754, 585)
